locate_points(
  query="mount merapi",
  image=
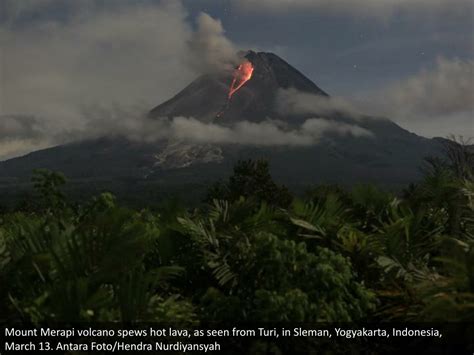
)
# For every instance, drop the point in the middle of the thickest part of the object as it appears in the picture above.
(390, 156)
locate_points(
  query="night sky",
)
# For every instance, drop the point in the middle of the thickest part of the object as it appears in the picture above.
(344, 53)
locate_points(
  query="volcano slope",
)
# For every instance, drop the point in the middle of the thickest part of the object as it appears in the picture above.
(387, 155)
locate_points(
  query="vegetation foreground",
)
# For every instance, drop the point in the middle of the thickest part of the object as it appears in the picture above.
(251, 252)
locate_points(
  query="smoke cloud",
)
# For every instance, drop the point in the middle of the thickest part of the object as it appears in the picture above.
(210, 45)
(118, 55)
(53, 69)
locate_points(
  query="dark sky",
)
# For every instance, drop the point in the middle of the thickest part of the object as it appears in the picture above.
(343, 52)
(409, 60)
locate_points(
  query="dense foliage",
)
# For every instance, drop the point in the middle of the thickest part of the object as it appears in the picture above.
(253, 254)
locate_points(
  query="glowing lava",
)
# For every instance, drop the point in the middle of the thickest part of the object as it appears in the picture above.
(242, 74)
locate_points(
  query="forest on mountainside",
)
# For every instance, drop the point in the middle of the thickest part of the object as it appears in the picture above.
(251, 252)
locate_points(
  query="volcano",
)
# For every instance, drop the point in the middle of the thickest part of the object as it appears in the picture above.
(207, 96)
(391, 156)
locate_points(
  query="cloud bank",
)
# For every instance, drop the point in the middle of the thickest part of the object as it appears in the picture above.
(435, 102)
(292, 101)
(445, 90)
(267, 133)
(134, 125)
(131, 124)
(438, 101)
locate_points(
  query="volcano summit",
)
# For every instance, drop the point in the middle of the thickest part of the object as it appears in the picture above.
(205, 97)
(330, 146)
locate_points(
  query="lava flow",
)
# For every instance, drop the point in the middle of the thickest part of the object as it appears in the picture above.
(242, 74)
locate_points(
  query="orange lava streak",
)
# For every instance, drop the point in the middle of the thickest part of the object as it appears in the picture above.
(241, 75)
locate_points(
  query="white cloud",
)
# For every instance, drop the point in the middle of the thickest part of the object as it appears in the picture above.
(265, 133)
(132, 124)
(435, 102)
(318, 127)
(244, 132)
(292, 101)
(189, 129)
(447, 89)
